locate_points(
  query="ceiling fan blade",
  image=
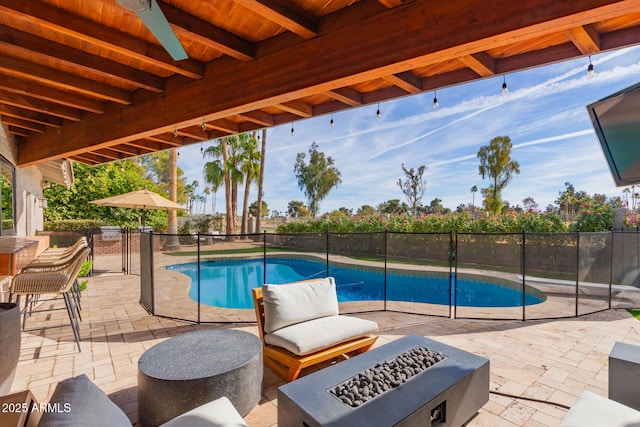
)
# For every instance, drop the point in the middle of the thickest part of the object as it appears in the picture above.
(157, 23)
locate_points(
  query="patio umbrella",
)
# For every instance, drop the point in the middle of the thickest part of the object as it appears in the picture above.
(141, 199)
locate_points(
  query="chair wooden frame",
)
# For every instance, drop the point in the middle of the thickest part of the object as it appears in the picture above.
(288, 365)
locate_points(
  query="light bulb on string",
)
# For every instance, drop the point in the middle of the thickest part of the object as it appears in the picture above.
(201, 149)
(175, 132)
(590, 71)
(435, 100)
(378, 115)
(293, 131)
(505, 89)
(204, 126)
(332, 123)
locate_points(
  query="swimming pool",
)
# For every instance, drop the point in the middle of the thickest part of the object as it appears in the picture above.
(228, 283)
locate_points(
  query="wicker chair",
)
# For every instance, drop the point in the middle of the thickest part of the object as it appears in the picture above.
(51, 279)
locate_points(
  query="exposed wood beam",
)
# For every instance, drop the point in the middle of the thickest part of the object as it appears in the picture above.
(85, 30)
(24, 124)
(208, 34)
(391, 3)
(298, 108)
(32, 116)
(194, 132)
(481, 62)
(223, 125)
(46, 93)
(169, 140)
(259, 117)
(407, 81)
(52, 77)
(346, 95)
(285, 14)
(40, 106)
(366, 57)
(90, 158)
(129, 151)
(80, 60)
(109, 154)
(18, 131)
(586, 39)
(154, 145)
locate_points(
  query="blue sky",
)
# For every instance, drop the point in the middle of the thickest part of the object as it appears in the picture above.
(544, 114)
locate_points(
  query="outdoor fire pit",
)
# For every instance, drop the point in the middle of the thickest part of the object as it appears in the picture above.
(413, 381)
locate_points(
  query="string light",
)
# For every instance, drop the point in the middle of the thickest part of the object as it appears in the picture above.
(590, 71)
(293, 131)
(332, 123)
(378, 115)
(505, 89)
(204, 126)
(175, 132)
(435, 100)
(178, 151)
(201, 149)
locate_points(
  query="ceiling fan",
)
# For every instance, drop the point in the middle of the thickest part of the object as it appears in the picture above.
(153, 18)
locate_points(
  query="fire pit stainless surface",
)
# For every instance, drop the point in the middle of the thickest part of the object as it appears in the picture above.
(446, 393)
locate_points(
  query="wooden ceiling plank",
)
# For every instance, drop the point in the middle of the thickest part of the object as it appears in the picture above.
(109, 154)
(208, 34)
(40, 106)
(367, 55)
(59, 20)
(154, 145)
(83, 61)
(481, 62)
(89, 158)
(169, 140)
(259, 117)
(301, 109)
(194, 132)
(346, 95)
(32, 116)
(49, 76)
(21, 123)
(130, 151)
(40, 91)
(586, 39)
(407, 81)
(284, 13)
(224, 125)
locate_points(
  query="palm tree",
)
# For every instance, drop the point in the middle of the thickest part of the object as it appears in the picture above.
(263, 151)
(206, 191)
(250, 167)
(474, 190)
(217, 173)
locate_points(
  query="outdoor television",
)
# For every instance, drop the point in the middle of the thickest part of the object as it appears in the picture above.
(616, 120)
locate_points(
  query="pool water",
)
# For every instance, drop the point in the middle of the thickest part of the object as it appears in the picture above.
(228, 283)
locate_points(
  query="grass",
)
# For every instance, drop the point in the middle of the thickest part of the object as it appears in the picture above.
(635, 313)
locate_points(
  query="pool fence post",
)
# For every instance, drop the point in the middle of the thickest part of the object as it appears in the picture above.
(451, 260)
(198, 236)
(577, 268)
(455, 281)
(523, 269)
(264, 254)
(611, 233)
(151, 275)
(385, 270)
(327, 268)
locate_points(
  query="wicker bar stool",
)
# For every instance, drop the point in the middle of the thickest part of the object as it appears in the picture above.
(57, 280)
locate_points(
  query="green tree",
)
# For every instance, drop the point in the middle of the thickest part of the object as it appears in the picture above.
(250, 167)
(530, 204)
(317, 178)
(413, 187)
(97, 182)
(393, 206)
(297, 209)
(366, 210)
(474, 190)
(253, 209)
(497, 165)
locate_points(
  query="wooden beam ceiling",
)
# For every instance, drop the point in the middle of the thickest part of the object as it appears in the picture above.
(93, 85)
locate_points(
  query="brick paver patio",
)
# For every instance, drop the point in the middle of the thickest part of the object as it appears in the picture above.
(551, 360)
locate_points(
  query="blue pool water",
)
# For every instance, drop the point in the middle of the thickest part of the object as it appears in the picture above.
(228, 283)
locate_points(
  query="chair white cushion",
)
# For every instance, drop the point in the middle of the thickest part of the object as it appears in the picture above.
(296, 302)
(217, 413)
(318, 334)
(82, 403)
(597, 411)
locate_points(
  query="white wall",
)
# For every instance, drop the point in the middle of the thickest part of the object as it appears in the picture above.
(28, 185)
